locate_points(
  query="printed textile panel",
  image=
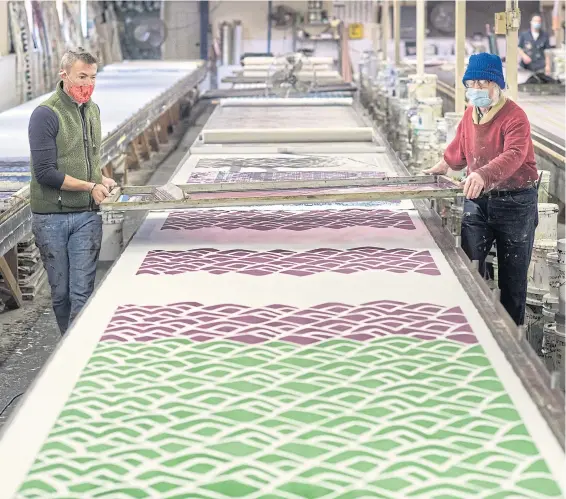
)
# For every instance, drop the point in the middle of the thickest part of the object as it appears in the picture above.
(275, 176)
(381, 400)
(288, 262)
(265, 163)
(288, 220)
(14, 165)
(14, 177)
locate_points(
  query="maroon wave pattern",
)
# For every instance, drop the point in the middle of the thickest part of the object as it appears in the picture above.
(276, 176)
(288, 220)
(288, 262)
(306, 326)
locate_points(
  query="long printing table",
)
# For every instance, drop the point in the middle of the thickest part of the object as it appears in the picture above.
(338, 351)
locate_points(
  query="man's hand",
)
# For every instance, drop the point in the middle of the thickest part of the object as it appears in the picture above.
(109, 183)
(99, 193)
(547, 70)
(473, 186)
(441, 168)
(526, 58)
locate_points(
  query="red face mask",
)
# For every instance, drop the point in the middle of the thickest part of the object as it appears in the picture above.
(80, 93)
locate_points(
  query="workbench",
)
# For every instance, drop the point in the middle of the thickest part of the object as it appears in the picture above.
(329, 351)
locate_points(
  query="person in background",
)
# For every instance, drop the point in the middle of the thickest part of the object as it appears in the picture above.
(67, 185)
(532, 45)
(493, 140)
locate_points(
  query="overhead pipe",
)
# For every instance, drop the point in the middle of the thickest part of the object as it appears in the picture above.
(460, 49)
(269, 14)
(397, 30)
(385, 29)
(421, 28)
(513, 20)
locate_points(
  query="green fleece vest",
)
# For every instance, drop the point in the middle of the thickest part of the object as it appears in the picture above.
(78, 155)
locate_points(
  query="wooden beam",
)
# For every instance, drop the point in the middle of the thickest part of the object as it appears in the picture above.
(415, 180)
(512, 43)
(132, 160)
(385, 28)
(141, 147)
(152, 138)
(289, 192)
(459, 99)
(174, 115)
(107, 170)
(330, 196)
(9, 271)
(164, 128)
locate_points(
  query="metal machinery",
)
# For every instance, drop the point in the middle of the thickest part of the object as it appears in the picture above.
(406, 106)
(290, 75)
(288, 350)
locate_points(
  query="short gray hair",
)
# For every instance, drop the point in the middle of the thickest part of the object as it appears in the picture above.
(71, 56)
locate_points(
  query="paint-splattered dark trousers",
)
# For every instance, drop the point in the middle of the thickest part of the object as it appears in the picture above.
(69, 245)
(510, 220)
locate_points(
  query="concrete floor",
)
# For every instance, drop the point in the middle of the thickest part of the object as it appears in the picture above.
(30, 334)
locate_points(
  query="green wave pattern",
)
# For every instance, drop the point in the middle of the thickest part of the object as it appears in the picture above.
(395, 417)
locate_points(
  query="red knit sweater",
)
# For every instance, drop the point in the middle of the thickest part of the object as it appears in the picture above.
(501, 151)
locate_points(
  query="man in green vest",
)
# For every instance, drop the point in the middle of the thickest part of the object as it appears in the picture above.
(67, 185)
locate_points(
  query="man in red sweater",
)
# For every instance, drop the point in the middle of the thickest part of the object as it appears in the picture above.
(493, 141)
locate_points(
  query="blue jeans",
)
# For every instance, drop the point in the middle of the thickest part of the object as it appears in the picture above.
(69, 244)
(510, 221)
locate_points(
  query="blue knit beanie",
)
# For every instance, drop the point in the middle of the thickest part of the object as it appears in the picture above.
(485, 66)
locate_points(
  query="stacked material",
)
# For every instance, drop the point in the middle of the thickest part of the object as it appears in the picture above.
(541, 305)
(302, 351)
(40, 33)
(14, 174)
(555, 304)
(31, 273)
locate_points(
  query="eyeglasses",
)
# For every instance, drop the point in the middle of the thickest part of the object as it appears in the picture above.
(476, 83)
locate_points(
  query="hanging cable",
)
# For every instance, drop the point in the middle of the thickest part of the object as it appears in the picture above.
(14, 398)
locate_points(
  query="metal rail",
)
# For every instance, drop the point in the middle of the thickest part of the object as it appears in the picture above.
(116, 143)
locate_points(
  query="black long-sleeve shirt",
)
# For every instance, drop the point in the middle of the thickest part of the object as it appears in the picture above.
(42, 132)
